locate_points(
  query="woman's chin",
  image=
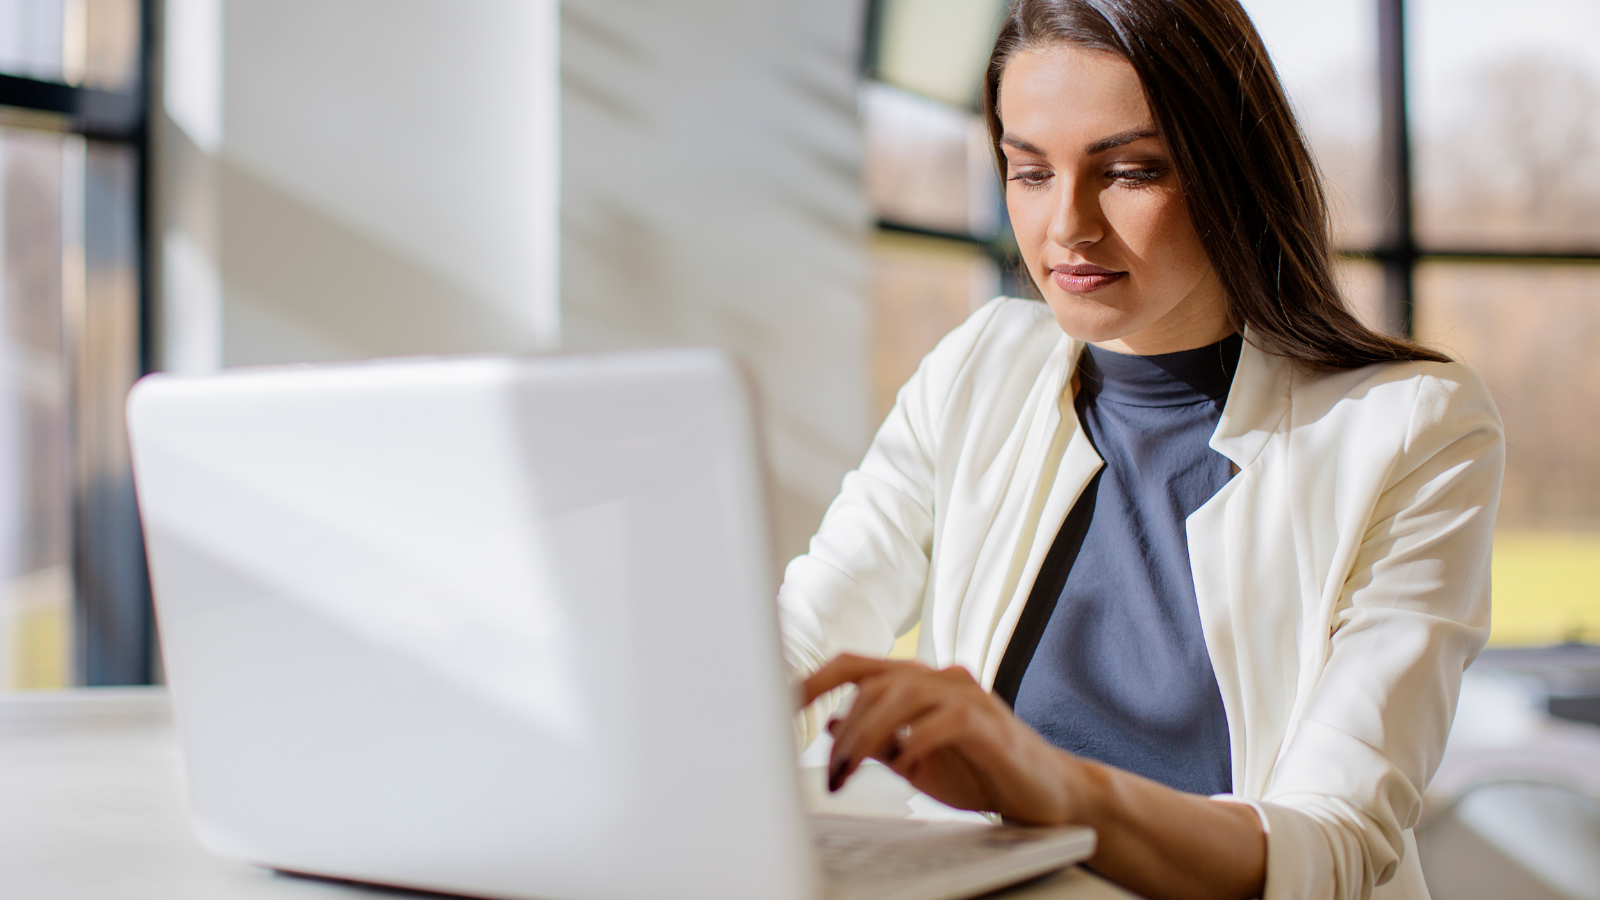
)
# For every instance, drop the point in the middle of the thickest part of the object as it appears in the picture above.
(1091, 322)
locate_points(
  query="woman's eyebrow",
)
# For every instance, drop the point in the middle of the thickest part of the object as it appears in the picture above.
(1118, 140)
(1012, 140)
(1100, 146)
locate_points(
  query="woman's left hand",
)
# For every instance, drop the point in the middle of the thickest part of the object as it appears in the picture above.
(941, 731)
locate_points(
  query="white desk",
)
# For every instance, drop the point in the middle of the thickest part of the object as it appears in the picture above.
(92, 806)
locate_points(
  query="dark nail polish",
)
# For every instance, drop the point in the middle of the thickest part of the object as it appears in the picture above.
(836, 774)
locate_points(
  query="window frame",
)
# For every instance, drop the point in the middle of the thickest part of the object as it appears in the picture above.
(113, 624)
(1397, 251)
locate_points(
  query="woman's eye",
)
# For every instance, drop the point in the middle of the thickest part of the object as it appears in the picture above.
(1136, 176)
(1030, 177)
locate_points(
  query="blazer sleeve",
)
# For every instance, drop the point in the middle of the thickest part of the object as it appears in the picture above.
(862, 581)
(1413, 613)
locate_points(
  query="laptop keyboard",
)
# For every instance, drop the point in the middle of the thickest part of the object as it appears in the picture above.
(855, 854)
(852, 859)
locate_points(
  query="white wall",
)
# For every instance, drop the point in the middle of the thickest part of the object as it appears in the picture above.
(711, 169)
(359, 178)
(352, 178)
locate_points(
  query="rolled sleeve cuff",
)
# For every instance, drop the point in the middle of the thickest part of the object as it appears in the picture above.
(1314, 857)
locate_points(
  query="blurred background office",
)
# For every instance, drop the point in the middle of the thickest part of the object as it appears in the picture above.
(193, 184)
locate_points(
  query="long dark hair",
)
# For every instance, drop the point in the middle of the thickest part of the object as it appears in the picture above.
(1252, 189)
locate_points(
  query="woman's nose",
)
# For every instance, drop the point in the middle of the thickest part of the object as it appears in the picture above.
(1076, 221)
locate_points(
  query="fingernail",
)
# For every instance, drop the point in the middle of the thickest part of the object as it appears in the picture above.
(836, 774)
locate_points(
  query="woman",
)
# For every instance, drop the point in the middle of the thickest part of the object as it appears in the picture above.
(1198, 559)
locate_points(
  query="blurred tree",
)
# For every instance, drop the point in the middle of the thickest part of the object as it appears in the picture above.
(1522, 162)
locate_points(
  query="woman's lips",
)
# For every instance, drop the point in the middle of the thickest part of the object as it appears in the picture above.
(1085, 278)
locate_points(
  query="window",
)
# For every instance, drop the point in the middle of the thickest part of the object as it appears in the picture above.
(1327, 57)
(930, 180)
(1461, 149)
(73, 596)
(1506, 126)
(932, 186)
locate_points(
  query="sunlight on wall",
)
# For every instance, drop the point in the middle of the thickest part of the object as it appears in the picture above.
(1546, 587)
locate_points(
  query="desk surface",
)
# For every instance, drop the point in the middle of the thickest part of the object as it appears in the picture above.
(92, 805)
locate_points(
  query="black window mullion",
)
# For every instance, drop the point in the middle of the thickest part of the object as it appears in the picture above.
(149, 84)
(103, 115)
(1397, 250)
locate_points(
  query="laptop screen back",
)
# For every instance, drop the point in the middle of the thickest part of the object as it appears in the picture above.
(487, 625)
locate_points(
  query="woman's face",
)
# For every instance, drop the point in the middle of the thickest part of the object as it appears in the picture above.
(1097, 207)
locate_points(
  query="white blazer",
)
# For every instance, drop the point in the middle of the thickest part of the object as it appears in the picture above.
(1342, 574)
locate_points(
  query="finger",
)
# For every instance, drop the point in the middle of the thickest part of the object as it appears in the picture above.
(885, 704)
(846, 668)
(989, 746)
(955, 679)
(841, 670)
(957, 725)
(961, 676)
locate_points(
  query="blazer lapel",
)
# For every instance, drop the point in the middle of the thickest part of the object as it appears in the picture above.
(1233, 538)
(1065, 470)
(1257, 402)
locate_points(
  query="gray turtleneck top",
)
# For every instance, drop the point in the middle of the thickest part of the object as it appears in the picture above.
(1108, 660)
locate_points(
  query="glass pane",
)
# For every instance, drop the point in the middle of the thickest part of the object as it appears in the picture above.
(921, 288)
(31, 41)
(1506, 122)
(94, 43)
(1530, 331)
(928, 164)
(35, 554)
(111, 45)
(1326, 53)
(938, 48)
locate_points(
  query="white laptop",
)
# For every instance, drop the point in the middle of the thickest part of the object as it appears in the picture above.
(501, 627)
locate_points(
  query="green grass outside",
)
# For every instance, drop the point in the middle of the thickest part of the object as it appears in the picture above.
(1546, 588)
